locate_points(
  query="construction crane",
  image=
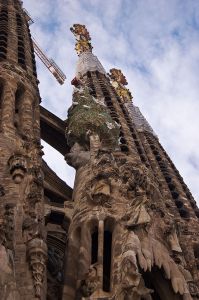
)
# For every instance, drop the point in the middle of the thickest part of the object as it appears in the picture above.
(49, 63)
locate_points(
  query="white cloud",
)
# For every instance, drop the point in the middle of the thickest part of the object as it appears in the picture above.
(156, 45)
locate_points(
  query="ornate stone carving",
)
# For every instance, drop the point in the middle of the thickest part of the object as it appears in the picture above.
(99, 187)
(35, 194)
(86, 118)
(30, 228)
(137, 215)
(91, 282)
(18, 167)
(132, 284)
(37, 255)
(136, 179)
(83, 39)
(173, 238)
(9, 224)
(101, 192)
(119, 81)
(193, 289)
(77, 157)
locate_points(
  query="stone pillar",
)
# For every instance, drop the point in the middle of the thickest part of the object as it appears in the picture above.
(12, 38)
(8, 108)
(84, 252)
(26, 116)
(36, 121)
(100, 252)
(71, 267)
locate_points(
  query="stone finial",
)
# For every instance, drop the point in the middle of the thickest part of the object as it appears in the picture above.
(118, 81)
(37, 254)
(83, 38)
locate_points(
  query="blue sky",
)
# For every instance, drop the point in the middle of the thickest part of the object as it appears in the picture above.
(155, 43)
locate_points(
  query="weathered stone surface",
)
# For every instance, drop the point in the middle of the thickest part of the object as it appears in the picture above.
(128, 230)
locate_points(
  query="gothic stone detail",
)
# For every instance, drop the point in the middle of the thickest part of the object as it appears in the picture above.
(37, 254)
(128, 230)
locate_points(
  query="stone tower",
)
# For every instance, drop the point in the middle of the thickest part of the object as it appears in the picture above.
(134, 227)
(129, 229)
(23, 248)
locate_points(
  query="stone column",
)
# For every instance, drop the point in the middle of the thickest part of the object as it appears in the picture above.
(71, 267)
(84, 252)
(100, 252)
(36, 121)
(8, 108)
(26, 114)
(12, 36)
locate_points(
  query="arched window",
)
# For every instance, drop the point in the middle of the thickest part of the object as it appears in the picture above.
(57, 234)
(162, 289)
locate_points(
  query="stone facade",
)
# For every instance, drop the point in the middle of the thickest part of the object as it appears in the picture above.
(128, 230)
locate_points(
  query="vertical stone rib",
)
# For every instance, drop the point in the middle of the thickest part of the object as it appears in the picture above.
(12, 38)
(155, 167)
(100, 252)
(84, 252)
(26, 117)
(36, 121)
(27, 46)
(8, 108)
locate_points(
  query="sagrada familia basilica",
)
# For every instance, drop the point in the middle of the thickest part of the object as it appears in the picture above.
(128, 229)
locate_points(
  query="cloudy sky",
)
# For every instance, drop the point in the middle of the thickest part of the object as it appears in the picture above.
(154, 42)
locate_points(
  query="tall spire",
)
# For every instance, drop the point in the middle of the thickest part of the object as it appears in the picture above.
(87, 60)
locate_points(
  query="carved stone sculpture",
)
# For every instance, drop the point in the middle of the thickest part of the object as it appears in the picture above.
(37, 255)
(9, 224)
(90, 283)
(173, 239)
(18, 167)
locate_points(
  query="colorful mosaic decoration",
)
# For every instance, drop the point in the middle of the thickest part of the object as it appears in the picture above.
(88, 117)
(83, 38)
(118, 81)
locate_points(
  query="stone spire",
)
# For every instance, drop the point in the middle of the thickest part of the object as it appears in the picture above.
(87, 60)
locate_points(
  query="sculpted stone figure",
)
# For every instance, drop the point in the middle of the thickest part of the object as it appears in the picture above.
(30, 228)
(100, 192)
(173, 240)
(90, 283)
(135, 179)
(78, 156)
(132, 284)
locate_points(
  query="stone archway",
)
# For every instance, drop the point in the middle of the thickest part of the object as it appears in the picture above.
(162, 287)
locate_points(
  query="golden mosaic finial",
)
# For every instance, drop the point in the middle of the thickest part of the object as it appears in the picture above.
(83, 38)
(118, 81)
